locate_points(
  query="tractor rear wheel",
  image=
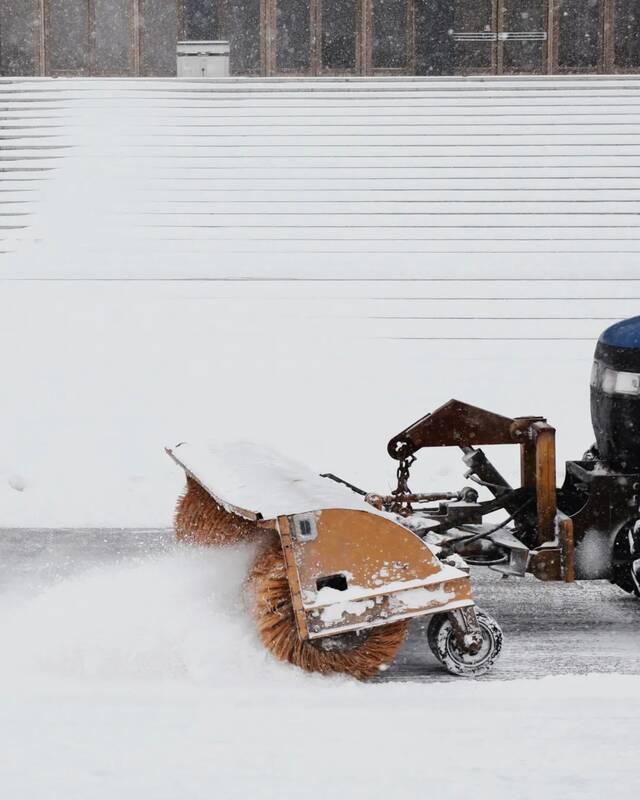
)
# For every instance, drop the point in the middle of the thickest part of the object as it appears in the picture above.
(625, 558)
(361, 654)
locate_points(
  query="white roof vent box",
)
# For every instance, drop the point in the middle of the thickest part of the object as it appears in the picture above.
(203, 59)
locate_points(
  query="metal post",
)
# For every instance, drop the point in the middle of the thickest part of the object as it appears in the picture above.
(545, 480)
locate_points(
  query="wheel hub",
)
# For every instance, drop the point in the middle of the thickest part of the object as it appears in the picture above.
(473, 654)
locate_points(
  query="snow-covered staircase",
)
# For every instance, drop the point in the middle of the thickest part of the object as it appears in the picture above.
(491, 200)
(310, 264)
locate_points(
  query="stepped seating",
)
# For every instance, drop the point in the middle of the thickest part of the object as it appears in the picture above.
(413, 203)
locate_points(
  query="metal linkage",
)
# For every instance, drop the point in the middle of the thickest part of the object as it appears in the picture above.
(400, 504)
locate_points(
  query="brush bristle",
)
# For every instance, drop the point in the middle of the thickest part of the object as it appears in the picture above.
(200, 520)
(277, 628)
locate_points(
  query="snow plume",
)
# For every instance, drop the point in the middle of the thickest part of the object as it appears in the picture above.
(175, 616)
(144, 679)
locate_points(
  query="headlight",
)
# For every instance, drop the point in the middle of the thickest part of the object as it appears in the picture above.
(627, 383)
(610, 381)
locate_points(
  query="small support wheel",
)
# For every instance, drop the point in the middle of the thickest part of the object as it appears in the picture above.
(443, 640)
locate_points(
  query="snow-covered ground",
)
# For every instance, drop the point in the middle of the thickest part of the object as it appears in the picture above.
(315, 267)
(570, 738)
(130, 668)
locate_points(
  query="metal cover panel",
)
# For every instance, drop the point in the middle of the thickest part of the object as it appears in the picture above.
(388, 573)
(255, 481)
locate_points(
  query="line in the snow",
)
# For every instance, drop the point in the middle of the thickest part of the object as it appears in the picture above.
(485, 338)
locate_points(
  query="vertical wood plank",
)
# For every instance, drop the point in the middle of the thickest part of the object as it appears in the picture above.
(551, 37)
(135, 36)
(608, 36)
(40, 58)
(91, 12)
(498, 46)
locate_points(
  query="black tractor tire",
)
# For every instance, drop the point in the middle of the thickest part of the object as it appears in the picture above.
(626, 549)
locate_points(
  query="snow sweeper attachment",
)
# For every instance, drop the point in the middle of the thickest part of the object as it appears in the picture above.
(335, 580)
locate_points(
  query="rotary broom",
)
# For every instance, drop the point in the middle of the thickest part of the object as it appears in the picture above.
(335, 581)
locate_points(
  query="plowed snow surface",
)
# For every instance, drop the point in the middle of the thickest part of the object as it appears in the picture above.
(130, 667)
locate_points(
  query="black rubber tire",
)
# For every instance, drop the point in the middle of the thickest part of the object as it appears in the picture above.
(432, 632)
(441, 640)
(622, 558)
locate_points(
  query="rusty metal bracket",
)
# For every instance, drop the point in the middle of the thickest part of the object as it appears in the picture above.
(455, 424)
(284, 530)
(466, 629)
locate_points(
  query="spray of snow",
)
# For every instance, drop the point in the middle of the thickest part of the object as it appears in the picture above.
(179, 616)
(593, 554)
